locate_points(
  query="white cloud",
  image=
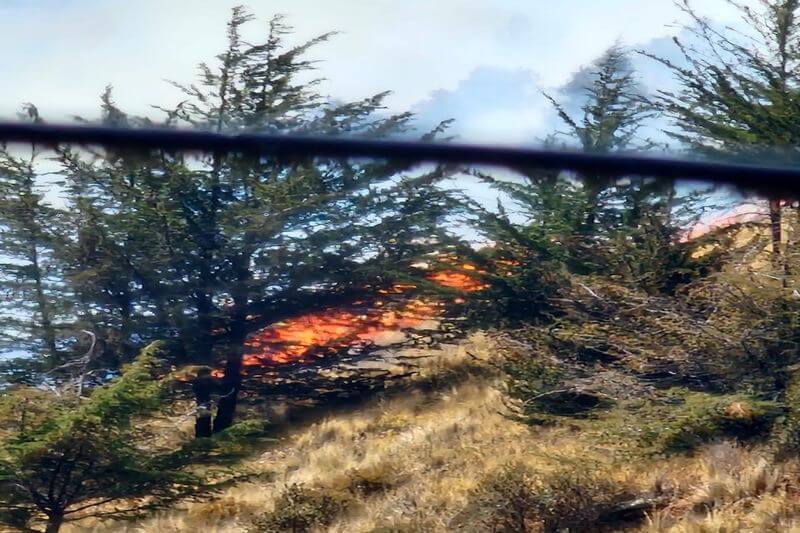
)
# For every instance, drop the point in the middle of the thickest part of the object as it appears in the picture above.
(60, 54)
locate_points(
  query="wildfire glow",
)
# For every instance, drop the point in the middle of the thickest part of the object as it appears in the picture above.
(458, 280)
(326, 331)
(743, 213)
(313, 334)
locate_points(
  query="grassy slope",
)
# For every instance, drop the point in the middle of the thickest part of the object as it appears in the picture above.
(414, 462)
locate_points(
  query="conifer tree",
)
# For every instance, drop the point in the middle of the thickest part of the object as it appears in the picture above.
(208, 249)
(611, 117)
(624, 226)
(34, 298)
(738, 92)
(632, 223)
(66, 462)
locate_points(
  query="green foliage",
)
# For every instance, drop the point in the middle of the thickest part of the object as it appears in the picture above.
(171, 246)
(624, 227)
(301, 509)
(786, 437)
(521, 283)
(529, 380)
(679, 421)
(203, 249)
(612, 345)
(615, 108)
(739, 89)
(527, 264)
(71, 461)
(34, 300)
(738, 94)
(701, 419)
(627, 229)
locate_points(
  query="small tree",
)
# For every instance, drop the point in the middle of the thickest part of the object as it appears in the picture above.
(208, 249)
(624, 226)
(32, 294)
(740, 90)
(68, 462)
(610, 119)
(527, 263)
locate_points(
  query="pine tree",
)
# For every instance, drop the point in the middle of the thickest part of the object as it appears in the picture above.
(210, 248)
(34, 299)
(632, 223)
(115, 218)
(610, 121)
(623, 226)
(68, 462)
(533, 250)
(738, 92)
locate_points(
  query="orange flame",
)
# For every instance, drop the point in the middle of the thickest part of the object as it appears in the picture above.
(457, 280)
(326, 331)
(460, 280)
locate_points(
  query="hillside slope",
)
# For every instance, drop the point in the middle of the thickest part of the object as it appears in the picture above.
(449, 455)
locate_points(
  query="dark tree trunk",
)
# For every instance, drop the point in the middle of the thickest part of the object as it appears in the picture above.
(203, 387)
(54, 523)
(231, 383)
(203, 347)
(48, 331)
(775, 225)
(593, 189)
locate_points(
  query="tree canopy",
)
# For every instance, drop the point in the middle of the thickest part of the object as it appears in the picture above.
(134, 280)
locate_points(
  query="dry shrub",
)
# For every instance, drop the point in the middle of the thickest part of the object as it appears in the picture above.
(299, 509)
(505, 501)
(406, 526)
(373, 478)
(734, 473)
(729, 473)
(723, 333)
(729, 487)
(516, 499)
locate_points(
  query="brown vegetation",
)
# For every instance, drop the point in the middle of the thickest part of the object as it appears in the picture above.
(455, 458)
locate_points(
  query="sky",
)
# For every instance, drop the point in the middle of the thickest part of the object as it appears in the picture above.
(482, 62)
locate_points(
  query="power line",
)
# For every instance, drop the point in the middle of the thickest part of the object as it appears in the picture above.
(764, 178)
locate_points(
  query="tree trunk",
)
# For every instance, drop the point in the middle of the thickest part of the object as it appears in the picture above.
(231, 384)
(775, 224)
(203, 347)
(54, 522)
(48, 331)
(232, 381)
(593, 190)
(203, 386)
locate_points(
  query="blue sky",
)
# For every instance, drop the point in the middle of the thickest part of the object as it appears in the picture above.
(483, 63)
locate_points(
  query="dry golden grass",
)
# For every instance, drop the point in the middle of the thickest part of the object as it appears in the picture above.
(726, 487)
(411, 463)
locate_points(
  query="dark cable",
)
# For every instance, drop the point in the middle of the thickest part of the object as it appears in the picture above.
(755, 177)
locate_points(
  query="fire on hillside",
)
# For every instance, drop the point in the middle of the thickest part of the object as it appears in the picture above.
(324, 332)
